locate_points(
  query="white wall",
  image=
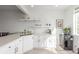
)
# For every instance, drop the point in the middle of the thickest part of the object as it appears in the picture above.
(9, 21)
(68, 21)
(47, 16)
(68, 17)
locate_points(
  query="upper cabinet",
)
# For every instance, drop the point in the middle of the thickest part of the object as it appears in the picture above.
(27, 43)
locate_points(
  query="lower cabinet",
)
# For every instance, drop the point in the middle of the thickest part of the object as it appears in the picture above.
(18, 46)
(76, 44)
(27, 43)
(23, 44)
(8, 48)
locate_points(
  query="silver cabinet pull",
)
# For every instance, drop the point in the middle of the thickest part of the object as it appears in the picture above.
(16, 49)
(9, 46)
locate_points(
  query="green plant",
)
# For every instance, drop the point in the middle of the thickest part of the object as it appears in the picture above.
(66, 30)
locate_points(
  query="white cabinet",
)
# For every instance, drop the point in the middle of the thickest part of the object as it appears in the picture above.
(35, 42)
(49, 42)
(19, 45)
(27, 43)
(44, 41)
(23, 44)
(8, 48)
(39, 41)
(75, 44)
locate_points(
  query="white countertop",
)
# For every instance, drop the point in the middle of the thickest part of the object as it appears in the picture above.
(6, 39)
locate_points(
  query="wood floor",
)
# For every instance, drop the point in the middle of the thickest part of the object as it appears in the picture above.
(39, 51)
(49, 51)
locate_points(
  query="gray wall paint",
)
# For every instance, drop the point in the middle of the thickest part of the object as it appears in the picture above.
(9, 19)
(68, 17)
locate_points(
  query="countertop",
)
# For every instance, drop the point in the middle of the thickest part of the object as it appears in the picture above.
(9, 38)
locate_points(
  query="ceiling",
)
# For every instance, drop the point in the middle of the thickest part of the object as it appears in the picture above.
(8, 7)
(50, 7)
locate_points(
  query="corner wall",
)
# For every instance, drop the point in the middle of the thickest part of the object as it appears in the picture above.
(68, 21)
(68, 17)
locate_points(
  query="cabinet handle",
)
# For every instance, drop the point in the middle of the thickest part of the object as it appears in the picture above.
(16, 49)
(9, 46)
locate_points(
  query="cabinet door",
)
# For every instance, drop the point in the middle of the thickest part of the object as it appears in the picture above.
(18, 46)
(8, 48)
(35, 42)
(27, 43)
